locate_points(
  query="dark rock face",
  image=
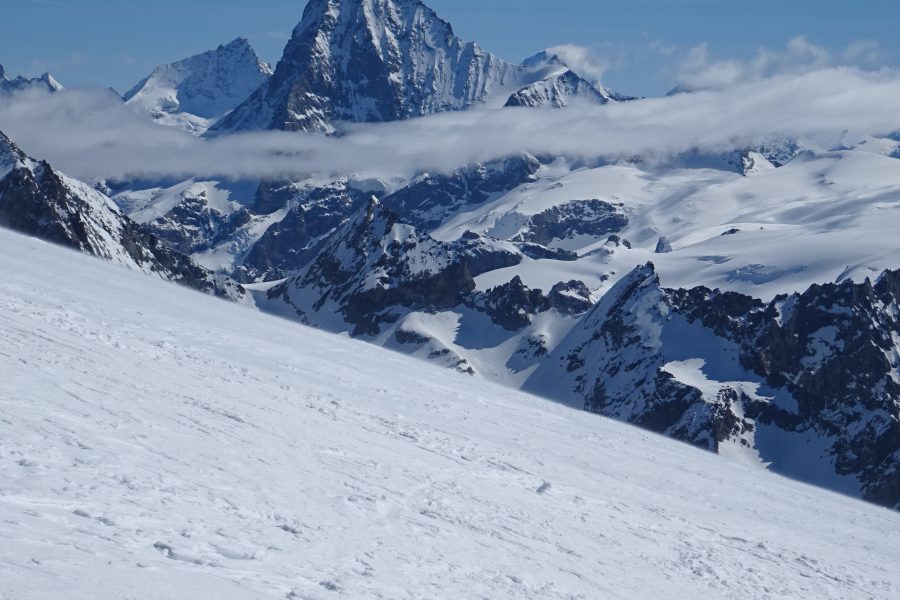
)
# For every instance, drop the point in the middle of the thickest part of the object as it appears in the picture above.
(147, 249)
(616, 365)
(292, 242)
(834, 351)
(192, 226)
(571, 298)
(375, 267)
(663, 246)
(512, 305)
(538, 252)
(370, 61)
(38, 201)
(272, 196)
(429, 201)
(10, 155)
(780, 152)
(582, 217)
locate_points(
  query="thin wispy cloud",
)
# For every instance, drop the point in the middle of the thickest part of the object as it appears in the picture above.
(582, 60)
(91, 135)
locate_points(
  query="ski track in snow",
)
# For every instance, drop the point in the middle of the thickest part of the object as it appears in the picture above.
(157, 443)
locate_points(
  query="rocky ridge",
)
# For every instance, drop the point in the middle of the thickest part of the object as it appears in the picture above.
(39, 201)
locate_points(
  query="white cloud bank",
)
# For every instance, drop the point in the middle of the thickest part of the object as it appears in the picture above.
(699, 70)
(91, 135)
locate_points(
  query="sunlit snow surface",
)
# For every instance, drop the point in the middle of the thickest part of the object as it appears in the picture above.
(157, 443)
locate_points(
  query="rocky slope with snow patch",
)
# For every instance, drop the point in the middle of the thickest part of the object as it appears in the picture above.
(807, 384)
(375, 268)
(39, 201)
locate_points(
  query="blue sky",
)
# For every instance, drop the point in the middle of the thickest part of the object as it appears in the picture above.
(642, 42)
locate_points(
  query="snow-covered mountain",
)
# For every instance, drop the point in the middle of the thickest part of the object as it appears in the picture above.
(44, 83)
(557, 84)
(37, 200)
(745, 374)
(195, 92)
(131, 408)
(806, 384)
(558, 89)
(495, 269)
(384, 60)
(619, 286)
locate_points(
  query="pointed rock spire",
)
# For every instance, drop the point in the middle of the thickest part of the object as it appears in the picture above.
(371, 61)
(205, 86)
(10, 155)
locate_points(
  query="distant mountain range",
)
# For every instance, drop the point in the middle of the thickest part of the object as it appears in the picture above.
(44, 83)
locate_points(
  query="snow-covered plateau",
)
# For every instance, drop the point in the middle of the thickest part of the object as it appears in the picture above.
(159, 443)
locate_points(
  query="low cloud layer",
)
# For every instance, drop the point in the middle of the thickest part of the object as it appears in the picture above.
(91, 135)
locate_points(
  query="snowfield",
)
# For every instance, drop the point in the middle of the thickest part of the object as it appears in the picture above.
(157, 443)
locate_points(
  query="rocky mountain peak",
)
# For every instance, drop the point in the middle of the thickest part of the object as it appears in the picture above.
(381, 18)
(45, 83)
(386, 60)
(204, 86)
(558, 90)
(10, 155)
(547, 59)
(51, 83)
(372, 61)
(560, 80)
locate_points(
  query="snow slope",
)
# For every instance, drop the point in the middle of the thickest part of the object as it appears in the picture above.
(157, 443)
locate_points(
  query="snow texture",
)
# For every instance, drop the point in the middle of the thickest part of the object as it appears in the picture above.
(158, 443)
